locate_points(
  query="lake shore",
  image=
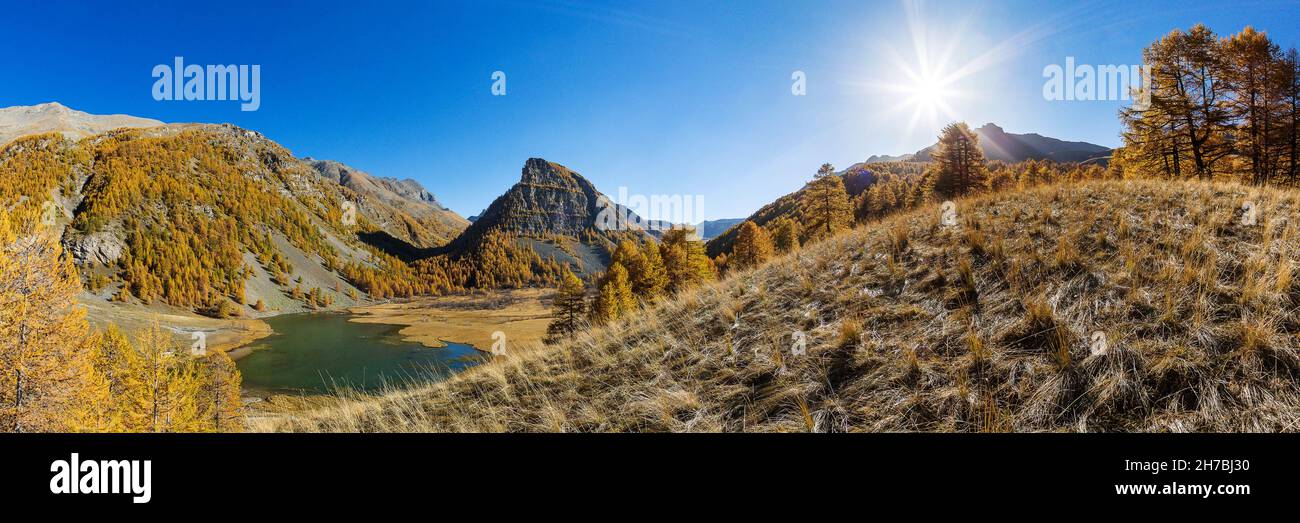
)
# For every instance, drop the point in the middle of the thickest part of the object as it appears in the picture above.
(225, 335)
(521, 314)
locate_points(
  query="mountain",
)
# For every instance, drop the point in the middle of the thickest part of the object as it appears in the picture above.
(402, 208)
(53, 117)
(1000, 145)
(1028, 321)
(553, 211)
(217, 219)
(710, 229)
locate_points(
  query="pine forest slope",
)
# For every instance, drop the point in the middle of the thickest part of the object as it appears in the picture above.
(912, 326)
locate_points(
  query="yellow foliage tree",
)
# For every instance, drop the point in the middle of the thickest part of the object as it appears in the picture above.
(825, 205)
(753, 247)
(43, 369)
(614, 299)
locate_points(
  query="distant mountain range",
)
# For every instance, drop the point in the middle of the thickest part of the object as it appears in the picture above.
(996, 143)
(710, 229)
(1011, 147)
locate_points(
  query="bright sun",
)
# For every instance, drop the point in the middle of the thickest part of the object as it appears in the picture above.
(930, 95)
(925, 84)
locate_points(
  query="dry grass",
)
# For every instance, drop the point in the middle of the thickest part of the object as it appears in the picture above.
(912, 326)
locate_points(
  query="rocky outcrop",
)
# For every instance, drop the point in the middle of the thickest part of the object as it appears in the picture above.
(102, 248)
(552, 202)
(549, 199)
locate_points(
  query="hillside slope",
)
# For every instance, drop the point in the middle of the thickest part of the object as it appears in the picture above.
(912, 326)
(402, 208)
(857, 179)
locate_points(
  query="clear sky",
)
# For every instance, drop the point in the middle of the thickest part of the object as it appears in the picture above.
(682, 97)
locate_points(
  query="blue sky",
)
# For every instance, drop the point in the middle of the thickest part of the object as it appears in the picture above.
(683, 97)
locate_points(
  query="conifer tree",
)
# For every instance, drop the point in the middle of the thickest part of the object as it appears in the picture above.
(569, 307)
(685, 260)
(113, 360)
(42, 333)
(651, 277)
(753, 247)
(614, 297)
(169, 385)
(959, 162)
(219, 394)
(825, 203)
(785, 235)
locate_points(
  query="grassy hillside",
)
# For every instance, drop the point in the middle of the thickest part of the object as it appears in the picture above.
(913, 326)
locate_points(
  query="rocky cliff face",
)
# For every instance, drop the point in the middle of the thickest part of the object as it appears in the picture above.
(549, 199)
(553, 211)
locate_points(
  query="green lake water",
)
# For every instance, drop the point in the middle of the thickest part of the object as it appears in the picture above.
(324, 352)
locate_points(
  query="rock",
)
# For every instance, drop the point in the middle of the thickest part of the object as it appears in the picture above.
(103, 248)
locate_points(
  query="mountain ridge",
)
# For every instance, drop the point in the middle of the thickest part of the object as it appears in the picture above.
(999, 145)
(24, 120)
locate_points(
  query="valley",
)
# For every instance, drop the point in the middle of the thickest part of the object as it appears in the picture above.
(184, 277)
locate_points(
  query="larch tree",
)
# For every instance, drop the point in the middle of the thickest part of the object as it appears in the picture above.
(168, 385)
(825, 204)
(651, 277)
(219, 394)
(685, 261)
(785, 235)
(614, 298)
(115, 359)
(569, 307)
(753, 247)
(959, 162)
(43, 366)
